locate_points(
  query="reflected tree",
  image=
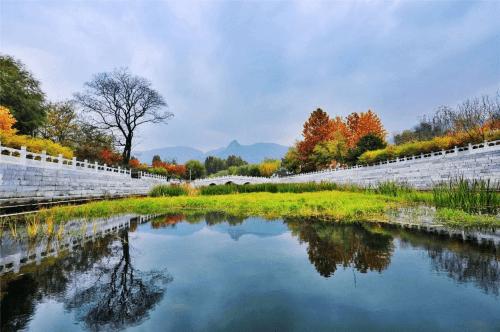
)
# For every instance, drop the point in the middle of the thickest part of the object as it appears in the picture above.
(214, 218)
(463, 261)
(110, 292)
(333, 245)
(117, 294)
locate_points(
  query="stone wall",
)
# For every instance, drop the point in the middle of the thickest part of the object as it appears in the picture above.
(33, 181)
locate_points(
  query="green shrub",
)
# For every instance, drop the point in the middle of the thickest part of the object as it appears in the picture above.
(168, 190)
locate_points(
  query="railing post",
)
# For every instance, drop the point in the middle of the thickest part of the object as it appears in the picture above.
(73, 162)
(455, 149)
(470, 147)
(96, 166)
(105, 167)
(22, 155)
(59, 160)
(85, 164)
(119, 170)
(43, 157)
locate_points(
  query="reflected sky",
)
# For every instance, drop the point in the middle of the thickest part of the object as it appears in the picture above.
(219, 273)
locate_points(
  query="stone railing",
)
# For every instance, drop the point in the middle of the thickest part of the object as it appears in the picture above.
(25, 157)
(152, 176)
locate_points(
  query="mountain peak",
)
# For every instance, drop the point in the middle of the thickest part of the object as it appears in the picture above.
(234, 143)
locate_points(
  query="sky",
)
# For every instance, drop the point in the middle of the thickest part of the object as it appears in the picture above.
(253, 71)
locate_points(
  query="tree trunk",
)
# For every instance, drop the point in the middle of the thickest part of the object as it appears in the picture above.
(127, 150)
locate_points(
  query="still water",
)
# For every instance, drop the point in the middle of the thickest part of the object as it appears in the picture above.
(213, 273)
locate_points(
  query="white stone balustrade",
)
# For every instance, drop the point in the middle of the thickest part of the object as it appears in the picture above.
(24, 157)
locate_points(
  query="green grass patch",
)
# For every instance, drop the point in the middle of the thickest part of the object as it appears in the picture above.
(331, 204)
(462, 219)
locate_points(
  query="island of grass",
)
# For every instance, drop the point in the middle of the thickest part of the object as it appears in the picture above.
(326, 201)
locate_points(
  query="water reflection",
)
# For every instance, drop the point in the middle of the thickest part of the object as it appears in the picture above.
(116, 294)
(346, 245)
(98, 282)
(105, 286)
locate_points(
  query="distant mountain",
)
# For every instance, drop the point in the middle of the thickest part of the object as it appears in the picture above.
(253, 153)
(180, 153)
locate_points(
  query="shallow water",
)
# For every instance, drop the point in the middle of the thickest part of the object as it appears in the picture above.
(213, 273)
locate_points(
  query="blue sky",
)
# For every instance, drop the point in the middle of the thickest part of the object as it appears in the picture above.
(253, 71)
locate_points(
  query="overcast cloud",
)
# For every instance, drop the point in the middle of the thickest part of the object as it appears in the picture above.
(253, 71)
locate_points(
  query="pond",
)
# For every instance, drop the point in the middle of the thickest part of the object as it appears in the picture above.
(220, 273)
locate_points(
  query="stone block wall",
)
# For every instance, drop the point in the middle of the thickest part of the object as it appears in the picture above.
(35, 182)
(419, 173)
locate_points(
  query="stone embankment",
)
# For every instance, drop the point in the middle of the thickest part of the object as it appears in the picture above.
(27, 177)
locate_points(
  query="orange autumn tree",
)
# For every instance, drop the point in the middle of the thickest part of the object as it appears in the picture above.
(7, 121)
(362, 124)
(318, 128)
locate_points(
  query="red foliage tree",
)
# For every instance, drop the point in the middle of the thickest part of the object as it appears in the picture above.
(318, 128)
(110, 157)
(362, 124)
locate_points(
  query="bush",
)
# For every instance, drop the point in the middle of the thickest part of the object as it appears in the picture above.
(157, 171)
(36, 145)
(168, 190)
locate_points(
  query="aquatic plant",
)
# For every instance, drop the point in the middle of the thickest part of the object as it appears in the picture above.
(32, 226)
(168, 190)
(392, 188)
(472, 196)
(49, 227)
(13, 230)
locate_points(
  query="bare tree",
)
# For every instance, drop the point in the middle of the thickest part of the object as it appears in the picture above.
(120, 102)
(475, 116)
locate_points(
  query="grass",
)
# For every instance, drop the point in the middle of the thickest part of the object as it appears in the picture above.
(462, 219)
(168, 190)
(331, 204)
(471, 196)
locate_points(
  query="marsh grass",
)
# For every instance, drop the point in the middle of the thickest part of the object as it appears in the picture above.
(333, 204)
(32, 226)
(49, 227)
(278, 188)
(13, 230)
(471, 196)
(168, 190)
(387, 188)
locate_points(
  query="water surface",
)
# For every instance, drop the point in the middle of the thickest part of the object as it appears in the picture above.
(214, 273)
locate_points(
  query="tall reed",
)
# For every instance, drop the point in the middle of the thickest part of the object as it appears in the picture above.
(168, 190)
(472, 196)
